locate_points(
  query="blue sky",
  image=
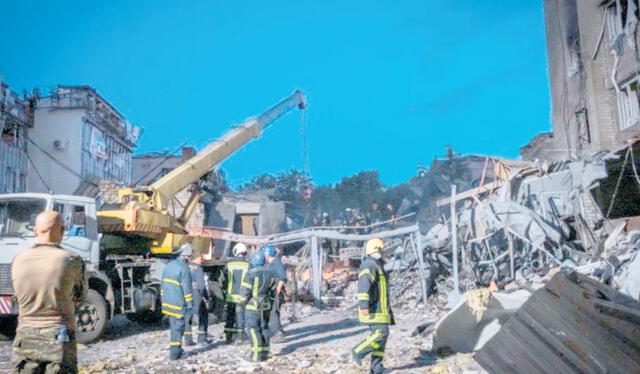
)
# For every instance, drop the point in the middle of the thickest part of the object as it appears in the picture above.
(390, 83)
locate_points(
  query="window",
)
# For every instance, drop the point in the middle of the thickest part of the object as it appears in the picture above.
(18, 217)
(77, 222)
(104, 157)
(629, 105)
(614, 26)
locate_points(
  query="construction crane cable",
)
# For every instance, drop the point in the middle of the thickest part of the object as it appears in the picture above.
(305, 142)
(33, 165)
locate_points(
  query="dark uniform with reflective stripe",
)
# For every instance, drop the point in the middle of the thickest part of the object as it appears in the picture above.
(177, 301)
(278, 269)
(237, 269)
(258, 287)
(373, 295)
(199, 316)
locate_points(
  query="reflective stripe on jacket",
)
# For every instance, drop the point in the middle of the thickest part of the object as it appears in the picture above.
(177, 292)
(237, 269)
(373, 293)
(258, 287)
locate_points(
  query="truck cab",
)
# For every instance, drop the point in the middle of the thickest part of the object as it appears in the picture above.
(17, 218)
(115, 285)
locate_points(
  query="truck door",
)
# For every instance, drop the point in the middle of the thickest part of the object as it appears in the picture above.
(76, 239)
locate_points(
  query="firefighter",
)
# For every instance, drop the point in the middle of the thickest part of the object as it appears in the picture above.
(272, 256)
(200, 315)
(177, 298)
(374, 308)
(259, 286)
(237, 268)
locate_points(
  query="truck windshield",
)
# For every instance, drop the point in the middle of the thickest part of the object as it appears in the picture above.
(17, 216)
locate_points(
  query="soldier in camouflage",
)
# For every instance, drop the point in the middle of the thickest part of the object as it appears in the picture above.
(48, 282)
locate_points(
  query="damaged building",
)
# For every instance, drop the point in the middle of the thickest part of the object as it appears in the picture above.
(78, 140)
(146, 168)
(16, 120)
(593, 61)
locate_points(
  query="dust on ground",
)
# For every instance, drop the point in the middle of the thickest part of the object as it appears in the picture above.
(318, 342)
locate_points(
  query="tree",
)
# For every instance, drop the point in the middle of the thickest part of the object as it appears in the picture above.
(261, 182)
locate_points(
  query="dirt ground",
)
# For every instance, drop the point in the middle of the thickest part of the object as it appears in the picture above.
(318, 342)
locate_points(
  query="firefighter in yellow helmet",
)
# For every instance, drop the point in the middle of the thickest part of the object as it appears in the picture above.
(374, 308)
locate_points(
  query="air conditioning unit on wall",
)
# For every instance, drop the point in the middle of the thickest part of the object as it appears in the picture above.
(60, 144)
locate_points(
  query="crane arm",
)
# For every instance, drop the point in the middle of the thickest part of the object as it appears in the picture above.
(164, 189)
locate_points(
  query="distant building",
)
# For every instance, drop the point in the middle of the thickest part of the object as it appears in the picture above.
(16, 120)
(594, 77)
(146, 168)
(78, 140)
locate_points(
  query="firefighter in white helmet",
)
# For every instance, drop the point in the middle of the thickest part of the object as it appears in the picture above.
(237, 268)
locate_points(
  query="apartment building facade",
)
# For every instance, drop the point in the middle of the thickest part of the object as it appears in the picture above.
(78, 140)
(594, 73)
(16, 120)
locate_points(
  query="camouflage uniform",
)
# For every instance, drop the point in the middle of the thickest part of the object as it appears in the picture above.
(38, 351)
(48, 283)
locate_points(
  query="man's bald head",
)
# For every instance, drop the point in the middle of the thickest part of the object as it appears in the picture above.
(49, 227)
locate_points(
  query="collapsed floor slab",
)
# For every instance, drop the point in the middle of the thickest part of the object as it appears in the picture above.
(572, 325)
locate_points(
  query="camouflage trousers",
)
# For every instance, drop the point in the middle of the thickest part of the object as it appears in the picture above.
(37, 351)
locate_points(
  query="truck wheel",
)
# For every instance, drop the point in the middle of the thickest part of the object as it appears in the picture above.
(91, 318)
(8, 326)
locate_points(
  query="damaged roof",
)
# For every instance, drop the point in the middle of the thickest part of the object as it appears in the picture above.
(572, 325)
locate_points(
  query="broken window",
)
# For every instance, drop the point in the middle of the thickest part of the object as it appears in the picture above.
(104, 156)
(613, 21)
(621, 19)
(629, 105)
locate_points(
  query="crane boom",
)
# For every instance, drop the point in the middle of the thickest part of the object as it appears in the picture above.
(145, 209)
(165, 188)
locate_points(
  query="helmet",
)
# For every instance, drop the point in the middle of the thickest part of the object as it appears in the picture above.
(257, 258)
(239, 249)
(374, 245)
(185, 250)
(269, 250)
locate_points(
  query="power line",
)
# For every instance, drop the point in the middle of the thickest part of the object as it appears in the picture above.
(26, 153)
(60, 163)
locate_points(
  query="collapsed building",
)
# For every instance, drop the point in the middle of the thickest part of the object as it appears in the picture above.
(593, 60)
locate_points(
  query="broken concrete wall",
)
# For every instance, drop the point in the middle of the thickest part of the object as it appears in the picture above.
(566, 78)
(272, 218)
(593, 69)
(220, 215)
(572, 325)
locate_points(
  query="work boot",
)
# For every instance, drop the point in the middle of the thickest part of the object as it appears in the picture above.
(355, 358)
(189, 343)
(249, 358)
(175, 353)
(380, 370)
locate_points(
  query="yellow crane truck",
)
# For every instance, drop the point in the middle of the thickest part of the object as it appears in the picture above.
(123, 244)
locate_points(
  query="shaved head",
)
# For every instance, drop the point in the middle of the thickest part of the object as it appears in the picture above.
(49, 227)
